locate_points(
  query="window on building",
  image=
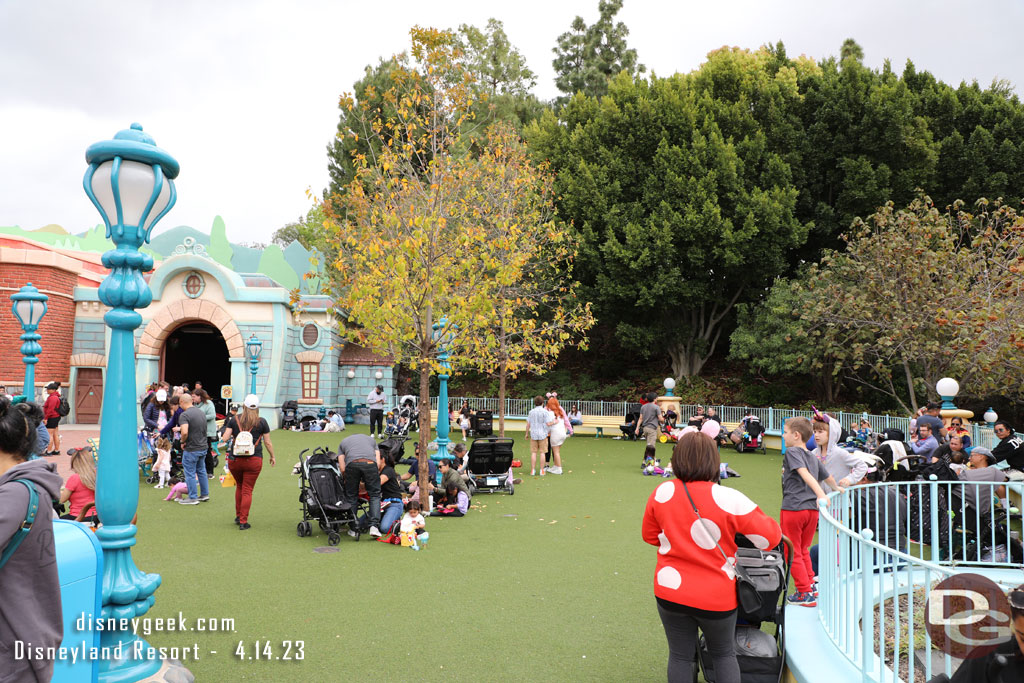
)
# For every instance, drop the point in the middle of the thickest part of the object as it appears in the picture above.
(310, 335)
(310, 380)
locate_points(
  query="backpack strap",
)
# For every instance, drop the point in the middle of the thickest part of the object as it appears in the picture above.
(26, 526)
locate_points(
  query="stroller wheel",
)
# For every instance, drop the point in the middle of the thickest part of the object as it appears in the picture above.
(739, 447)
(333, 538)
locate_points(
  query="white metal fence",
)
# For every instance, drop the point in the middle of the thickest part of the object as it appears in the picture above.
(771, 418)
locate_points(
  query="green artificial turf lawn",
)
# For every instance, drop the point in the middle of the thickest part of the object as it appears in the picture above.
(551, 584)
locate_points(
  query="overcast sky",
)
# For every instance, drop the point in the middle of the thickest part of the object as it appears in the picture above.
(244, 94)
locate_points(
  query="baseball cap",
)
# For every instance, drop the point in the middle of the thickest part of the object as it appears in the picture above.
(251, 401)
(981, 450)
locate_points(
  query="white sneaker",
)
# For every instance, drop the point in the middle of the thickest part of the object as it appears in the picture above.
(188, 501)
(555, 470)
(375, 532)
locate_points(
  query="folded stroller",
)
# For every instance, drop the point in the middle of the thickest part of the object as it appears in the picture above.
(323, 496)
(761, 655)
(490, 462)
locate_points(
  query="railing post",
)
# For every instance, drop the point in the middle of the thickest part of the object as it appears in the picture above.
(933, 507)
(867, 604)
(771, 419)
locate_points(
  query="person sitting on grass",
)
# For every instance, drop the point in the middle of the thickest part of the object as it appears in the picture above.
(390, 493)
(454, 503)
(412, 526)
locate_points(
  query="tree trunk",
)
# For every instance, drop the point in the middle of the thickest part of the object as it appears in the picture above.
(423, 475)
(685, 362)
(910, 385)
(502, 378)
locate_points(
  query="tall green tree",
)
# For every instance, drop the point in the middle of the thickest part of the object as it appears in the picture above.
(683, 202)
(586, 57)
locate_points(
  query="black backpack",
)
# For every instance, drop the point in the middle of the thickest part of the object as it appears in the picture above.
(63, 408)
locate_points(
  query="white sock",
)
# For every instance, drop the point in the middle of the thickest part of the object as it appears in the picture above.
(1005, 502)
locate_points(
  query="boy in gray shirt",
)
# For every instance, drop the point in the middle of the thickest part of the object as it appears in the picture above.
(801, 472)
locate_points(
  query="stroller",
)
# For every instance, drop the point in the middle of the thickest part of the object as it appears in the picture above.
(289, 414)
(400, 429)
(752, 438)
(629, 428)
(761, 655)
(482, 423)
(147, 458)
(395, 445)
(323, 496)
(490, 464)
(409, 412)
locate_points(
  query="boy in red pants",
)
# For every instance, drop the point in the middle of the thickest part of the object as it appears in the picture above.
(801, 472)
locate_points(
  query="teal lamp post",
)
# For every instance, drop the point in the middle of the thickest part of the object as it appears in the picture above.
(29, 308)
(129, 183)
(253, 347)
(443, 335)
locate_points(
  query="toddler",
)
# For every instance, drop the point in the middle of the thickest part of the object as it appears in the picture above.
(413, 527)
(163, 461)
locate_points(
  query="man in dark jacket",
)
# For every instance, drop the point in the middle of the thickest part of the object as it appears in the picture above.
(1006, 663)
(30, 608)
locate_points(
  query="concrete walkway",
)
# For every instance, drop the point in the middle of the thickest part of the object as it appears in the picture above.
(72, 436)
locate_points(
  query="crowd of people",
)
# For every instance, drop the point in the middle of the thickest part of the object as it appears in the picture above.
(694, 521)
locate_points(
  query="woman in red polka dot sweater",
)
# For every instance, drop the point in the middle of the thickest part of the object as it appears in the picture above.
(694, 585)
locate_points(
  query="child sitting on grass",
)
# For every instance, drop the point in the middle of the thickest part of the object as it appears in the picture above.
(801, 472)
(455, 503)
(162, 466)
(412, 526)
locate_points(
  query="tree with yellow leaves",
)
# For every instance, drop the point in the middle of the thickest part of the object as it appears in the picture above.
(417, 230)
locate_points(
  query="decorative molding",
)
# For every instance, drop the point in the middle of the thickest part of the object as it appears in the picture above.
(310, 401)
(88, 360)
(309, 356)
(189, 245)
(179, 312)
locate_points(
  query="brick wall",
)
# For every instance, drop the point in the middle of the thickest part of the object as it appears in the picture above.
(57, 328)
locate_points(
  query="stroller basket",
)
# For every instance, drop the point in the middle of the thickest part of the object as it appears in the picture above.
(767, 570)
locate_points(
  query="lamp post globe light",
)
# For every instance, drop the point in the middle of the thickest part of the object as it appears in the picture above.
(253, 347)
(670, 384)
(29, 308)
(129, 181)
(948, 388)
(990, 417)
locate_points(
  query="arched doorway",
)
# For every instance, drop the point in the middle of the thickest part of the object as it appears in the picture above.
(196, 351)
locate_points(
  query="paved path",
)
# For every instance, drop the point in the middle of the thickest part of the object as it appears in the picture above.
(72, 436)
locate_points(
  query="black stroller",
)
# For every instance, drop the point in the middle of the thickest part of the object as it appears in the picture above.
(482, 423)
(629, 428)
(323, 496)
(289, 414)
(752, 437)
(490, 464)
(395, 445)
(761, 655)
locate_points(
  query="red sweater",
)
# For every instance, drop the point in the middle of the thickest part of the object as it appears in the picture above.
(691, 571)
(50, 406)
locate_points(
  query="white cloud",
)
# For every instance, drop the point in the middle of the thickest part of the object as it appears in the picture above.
(244, 94)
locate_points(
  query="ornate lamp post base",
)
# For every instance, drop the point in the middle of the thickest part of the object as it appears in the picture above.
(172, 671)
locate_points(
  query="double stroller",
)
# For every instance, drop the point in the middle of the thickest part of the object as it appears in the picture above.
(490, 464)
(322, 496)
(147, 458)
(761, 655)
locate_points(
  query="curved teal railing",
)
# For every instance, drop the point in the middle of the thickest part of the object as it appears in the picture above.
(877, 554)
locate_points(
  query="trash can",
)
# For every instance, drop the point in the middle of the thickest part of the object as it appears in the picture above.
(80, 571)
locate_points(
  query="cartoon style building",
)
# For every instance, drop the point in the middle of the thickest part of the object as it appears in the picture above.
(202, 313)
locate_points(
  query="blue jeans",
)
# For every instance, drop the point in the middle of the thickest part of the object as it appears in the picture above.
(391, 514)
(191, 461)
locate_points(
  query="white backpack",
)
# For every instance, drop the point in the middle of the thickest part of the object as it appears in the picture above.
(244, 444)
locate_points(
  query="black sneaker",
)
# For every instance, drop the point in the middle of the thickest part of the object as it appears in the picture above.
(236, 521)
(243, 527)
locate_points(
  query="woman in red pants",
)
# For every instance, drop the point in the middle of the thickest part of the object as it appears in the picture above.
(245, 461)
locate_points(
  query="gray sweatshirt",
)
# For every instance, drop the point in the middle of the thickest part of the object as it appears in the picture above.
(840, 462)
(30, 608)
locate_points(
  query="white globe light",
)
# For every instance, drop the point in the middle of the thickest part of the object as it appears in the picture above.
(990, 416)
(947, 386)
(351, 374)
(379, 374)
(670, 383)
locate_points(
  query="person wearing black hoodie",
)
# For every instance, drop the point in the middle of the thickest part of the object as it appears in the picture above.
(30, 607)
(1010, 447)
